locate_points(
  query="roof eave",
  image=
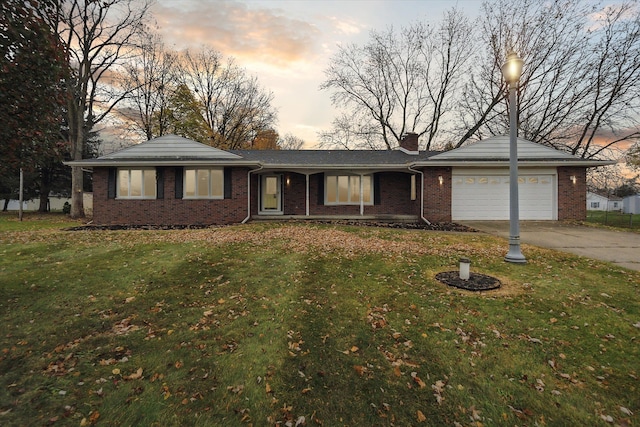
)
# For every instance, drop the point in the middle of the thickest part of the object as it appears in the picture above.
(92, 163)
(502, 163)
(320, 167)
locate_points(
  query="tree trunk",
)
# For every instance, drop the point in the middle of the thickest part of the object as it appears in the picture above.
(44, 198)
(45, 189)
(77, 205)
(6, 205)
(76, 136)
(44, 203)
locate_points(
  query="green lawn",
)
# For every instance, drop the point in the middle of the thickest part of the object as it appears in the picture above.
(614, 219)
(310, 325)
(34, 221)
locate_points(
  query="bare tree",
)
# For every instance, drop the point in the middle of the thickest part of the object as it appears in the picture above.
(235, 107)
(550, 42)
(605, 179)
(581, 75)
(150, 80)
(98, 36)
(246, 111)
(633, 157)
(351, 131)
(290, 142)
(398, 82)
(614, 101)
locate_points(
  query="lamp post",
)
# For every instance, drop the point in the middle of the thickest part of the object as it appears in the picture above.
(512, 70)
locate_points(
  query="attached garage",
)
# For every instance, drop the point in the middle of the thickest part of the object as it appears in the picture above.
(552, 183)
(484, 195)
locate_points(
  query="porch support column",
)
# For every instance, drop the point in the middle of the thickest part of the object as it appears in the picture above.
(361, 196)
(306, 175)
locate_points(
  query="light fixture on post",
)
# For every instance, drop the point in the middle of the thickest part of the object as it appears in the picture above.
(512, 70)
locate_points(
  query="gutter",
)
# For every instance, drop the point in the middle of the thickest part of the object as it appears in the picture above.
(315, 168)
(410, 167)
(521, 162)
(244, 221)
(91, 163)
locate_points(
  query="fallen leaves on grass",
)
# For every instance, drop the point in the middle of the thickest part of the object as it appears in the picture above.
(299, 239)
(135, 376)
(236, 389)
(93, 419)
(626, 411)
(417, 380)
(376, 317)
(62, 366)
(438, 389)
(124, 327)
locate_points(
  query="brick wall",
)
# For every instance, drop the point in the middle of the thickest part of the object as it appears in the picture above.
(395, 197)
(294, 195)
(572, 198)
(169, 210)
(394, 190)
(437, 197)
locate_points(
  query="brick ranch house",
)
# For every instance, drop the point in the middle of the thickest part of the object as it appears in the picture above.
(171, 180)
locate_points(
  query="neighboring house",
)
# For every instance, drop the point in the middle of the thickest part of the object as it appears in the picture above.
(599, 202)
(173, 180)
(631, 204)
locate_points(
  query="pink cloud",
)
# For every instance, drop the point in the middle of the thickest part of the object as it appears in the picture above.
(235, 29)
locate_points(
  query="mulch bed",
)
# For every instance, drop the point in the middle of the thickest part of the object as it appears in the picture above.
(435, 226)
(90, 227)
(440, 226)
(476, 282)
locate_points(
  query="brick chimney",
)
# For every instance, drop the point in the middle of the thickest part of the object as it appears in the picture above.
(409, 142)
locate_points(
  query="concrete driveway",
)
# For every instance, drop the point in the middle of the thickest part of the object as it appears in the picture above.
(618, 247)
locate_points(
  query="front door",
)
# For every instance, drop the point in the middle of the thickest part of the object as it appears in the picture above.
(271, 195)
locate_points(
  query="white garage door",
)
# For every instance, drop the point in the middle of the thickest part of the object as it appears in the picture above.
(486, 197)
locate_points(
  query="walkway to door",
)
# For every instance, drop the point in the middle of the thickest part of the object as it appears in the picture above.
(618, 247)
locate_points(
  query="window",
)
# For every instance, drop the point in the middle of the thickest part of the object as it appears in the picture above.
(204, 183)
(595, 204)
(137, 183)
(346, 189)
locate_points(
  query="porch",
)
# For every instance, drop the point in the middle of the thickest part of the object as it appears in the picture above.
(405, 219)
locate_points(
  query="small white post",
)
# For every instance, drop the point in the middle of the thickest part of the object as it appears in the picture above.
(21, 195)
(464, 268)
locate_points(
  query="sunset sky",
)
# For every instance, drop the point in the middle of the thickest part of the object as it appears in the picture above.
(287, 44)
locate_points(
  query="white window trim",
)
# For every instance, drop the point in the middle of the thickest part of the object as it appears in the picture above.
(196, 196)
(359, 202)
(142, 188)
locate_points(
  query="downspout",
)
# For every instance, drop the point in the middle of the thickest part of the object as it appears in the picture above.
(421, 193)
(244, 221)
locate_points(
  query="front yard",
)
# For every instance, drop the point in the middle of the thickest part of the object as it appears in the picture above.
(307, 325)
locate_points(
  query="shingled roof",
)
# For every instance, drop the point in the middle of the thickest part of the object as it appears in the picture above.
(173, 150)
(170, 147)
(497, 150)
(323, 159)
